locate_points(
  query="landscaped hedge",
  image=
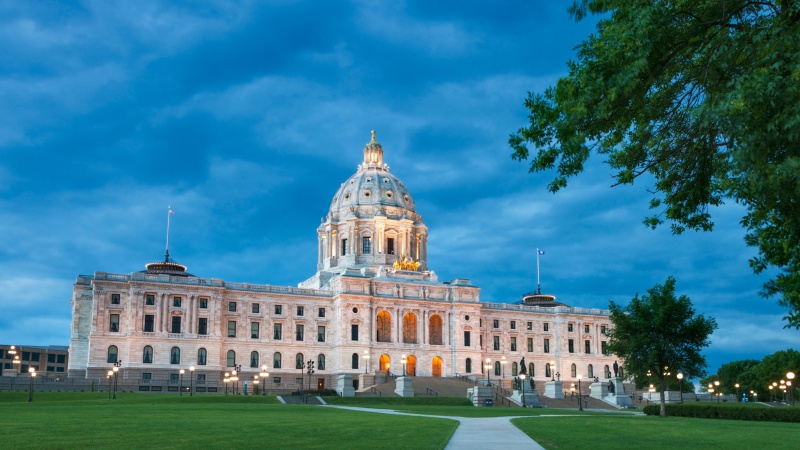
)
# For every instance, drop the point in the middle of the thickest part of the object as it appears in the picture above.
(729, 411)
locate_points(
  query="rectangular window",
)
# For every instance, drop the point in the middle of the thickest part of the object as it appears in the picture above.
(150, 299)
(586, 329)
(530, 344)
(278, 309)
(571, 346)
(513, 344)
(26, 356)
(390, 246)
(51, 368)
(495, 323)
(603, 348)
(176, 324)
(113, 322)
(367, 245)
(149, 321)
(344, 247)
(546, 326)
(547, 345)
(115, 299)
(203, 303)
(300, 310)
(59, 369)
(603, 330)
(353, 332)
(176, 302)
(513, 324)
(35, 356)
(255, 308)
(321, 312)
(202, 326)
(232, 306)
(467, 339)
(496, 342)
(276, 380)
(254, 330)
(51, 358)
(61, 359)
(569, 327)
(174, 377)
(277, 331)
(298, 333)
(587, 346)
(480, 343)
(231, 328)
(320, 334)
(530, 326)
(147, 376)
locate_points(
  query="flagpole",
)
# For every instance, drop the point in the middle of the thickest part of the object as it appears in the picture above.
(538, 284)
(166, 254)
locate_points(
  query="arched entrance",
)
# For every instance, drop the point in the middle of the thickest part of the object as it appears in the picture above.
(385, 362)
(411, 366)
(435, 330)
(383, 328)
(436, 369)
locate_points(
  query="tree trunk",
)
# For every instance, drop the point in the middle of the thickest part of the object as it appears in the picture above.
(662, 385)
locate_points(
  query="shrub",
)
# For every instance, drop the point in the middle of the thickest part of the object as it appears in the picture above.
(729, 411)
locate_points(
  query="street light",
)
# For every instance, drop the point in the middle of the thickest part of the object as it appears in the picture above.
(32, 373)
(503, 365)
(227, 381)
(403, 360)
(255, 383)
(117, 365)
(191, 379)
(366, 361)
(580, 404)
(264, 374)
(736, 385)
(488, 366)
(790, 376)
(719, 392)
(235, 379)
(14, 359)
(109, 375)
(680, 383)
(522, 382)
(770, 392)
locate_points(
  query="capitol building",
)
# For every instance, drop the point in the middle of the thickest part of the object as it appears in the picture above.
(373, 308)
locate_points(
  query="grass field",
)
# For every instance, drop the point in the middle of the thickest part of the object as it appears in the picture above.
(85, 420)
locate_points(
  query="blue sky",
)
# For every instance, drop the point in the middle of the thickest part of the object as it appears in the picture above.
(246, 117)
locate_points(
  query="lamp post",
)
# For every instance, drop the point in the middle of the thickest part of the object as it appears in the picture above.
(488, 366)
(790, 377)
(552, 371)
(782, 387)
(227, 381)
(680, 383)
(108, 376)
(264, 374)
(117, 365)
(191, 379)
(255, 383)
(32, 373)
(235, 378)
(770, 392)
(310, 371)
(180, 384)
(736, 385)
(366, 361)
(14, 359)
(716, 387)
(580, 404)
(403, 361)
(503, 373)
(522, 382)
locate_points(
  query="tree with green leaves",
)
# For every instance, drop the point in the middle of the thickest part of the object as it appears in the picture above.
(752, 375)
(660, 333)
(701, 98)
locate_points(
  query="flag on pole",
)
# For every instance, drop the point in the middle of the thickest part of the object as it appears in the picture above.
(170, 210)
(541, 252)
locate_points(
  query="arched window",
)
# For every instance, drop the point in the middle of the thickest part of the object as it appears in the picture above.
(383, 327)
(112, 354)
(590, 371)
(497, 368)
(175, 356)
(298, 361)
(410, 328)
(468, 365)
(573, 371)
(354, 361)
(253, 359)
(202, 357)
(276, 360)
(321, 362)
(147, 355)
(606, 371)
(435, 330)
(231, 359)
(514, 369)
(531, 373)
(547, 371)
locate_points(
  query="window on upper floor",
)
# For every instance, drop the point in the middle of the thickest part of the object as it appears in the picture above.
(176, 324)
(113, 322)
(587, 346)
(300, 310)
(530, 326)
(546, 346)
(176, 302)
(467, 339)
(278, 310)
(231, 328)
(496, 342)
(321, 312)
(115, 299)
(203, 303)
(569, 327)
(149, 322)
(150, 299)
(495, 323)
(255, 308)
(513, 324)
(513, 344)
(277, 331)
(202, 326)
(571, 346)
(298, 332)
(353, 332)
(232, 306)
(320, 334)
(546, 326)
(254, 330)
(586, 329)
(366, 245)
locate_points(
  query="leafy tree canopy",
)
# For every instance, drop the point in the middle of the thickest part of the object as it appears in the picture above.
(755, 376)
(702, 95)
(659, 333)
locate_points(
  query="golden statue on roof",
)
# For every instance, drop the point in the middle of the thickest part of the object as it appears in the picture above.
(406, 263)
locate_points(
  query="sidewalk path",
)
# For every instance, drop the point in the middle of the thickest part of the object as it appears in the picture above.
(483, 433)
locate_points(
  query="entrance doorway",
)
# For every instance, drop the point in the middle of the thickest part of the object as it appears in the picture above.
(385, 363)
(436, 369)
(411, 366)
(320, 384)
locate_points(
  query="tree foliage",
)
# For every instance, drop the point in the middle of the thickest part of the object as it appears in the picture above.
(755, 376)
(660, 333)
(703, 96)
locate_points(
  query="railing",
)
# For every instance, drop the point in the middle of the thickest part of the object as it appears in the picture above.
(374, 391)
(557, 309)
(430, 391)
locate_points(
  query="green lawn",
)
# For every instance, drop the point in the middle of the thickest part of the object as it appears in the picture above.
(86, 420)
(650, 432)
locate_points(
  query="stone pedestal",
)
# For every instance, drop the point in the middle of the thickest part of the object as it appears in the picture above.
(618, 397)
(365, 380)
(479, 395)
(530, 400)
(598, 390)
(553, 389)
(404, 387)
(344, 385)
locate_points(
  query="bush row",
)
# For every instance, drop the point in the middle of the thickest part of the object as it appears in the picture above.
(731, 412)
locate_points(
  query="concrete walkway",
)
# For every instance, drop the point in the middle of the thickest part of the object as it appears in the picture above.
(483, 433)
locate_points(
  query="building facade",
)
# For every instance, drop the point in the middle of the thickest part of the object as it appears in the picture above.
(372, 307)
(49, 361)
